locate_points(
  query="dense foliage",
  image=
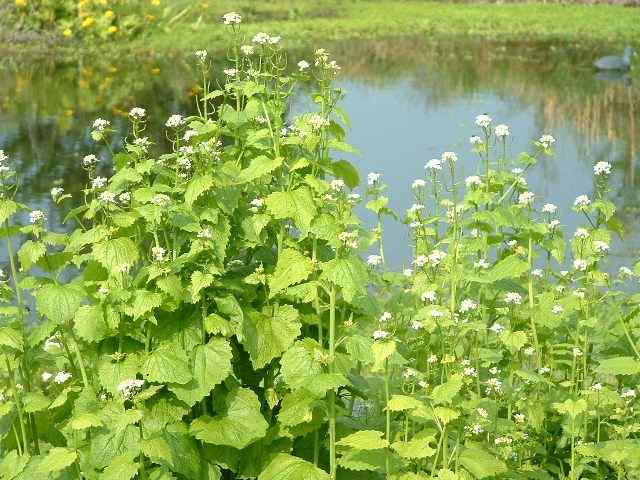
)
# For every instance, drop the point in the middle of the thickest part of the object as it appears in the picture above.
(209, 313)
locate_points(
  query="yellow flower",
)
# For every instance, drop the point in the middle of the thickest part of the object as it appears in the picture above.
(21, 3)
(88, 22)
(112, 29)
(67, 32)
(109, 14)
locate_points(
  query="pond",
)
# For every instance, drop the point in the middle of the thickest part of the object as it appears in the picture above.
(408, 99)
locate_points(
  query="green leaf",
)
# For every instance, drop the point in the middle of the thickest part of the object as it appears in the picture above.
(400, 403)
(364, 440)
(480, 463)
(414, 449)
(618, 366)
(266, 336)
(12, 464)
(89, 323)
(120, 468)
(350, 274)
(59, 303)
(175, 449)
(35, 402)
(7, 209)
(509, 267)
(118, 436)
(301, 362)
(199, 281)
(445, 392)
(573, 408)
(30, 252)
(143, 303)
(292, 267)
(514, 341)
(381, 352)
(196, 187)
(239, 425)
(288, 467)
(347, 172)
(296, 204)
(11, 338)
(115, 253)
(167, 364)
(360, 460)
(211, 365)
(55, 460)
(297, 407)
(258, 167)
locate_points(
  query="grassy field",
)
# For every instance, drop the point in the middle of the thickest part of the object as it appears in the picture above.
(193, 25)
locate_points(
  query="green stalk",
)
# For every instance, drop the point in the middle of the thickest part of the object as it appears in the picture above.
(388, 416)
(316, 306)
(332, 393)
(534, 333)
(18, 402)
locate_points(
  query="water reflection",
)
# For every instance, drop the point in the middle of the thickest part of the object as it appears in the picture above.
(409, 100)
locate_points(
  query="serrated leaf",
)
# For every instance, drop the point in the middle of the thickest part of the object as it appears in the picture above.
(196, 187)
(350, 274)
(297, 407)
(239, 425)
(414, 449)
(288, 467)
(175, 449)
(120, 468)
(619, 366)
(115, 253)
(11, 338)
(55, 460)
(509, 267)
(361, 460)
(59, 303)
(89, 323)
(480, 463)
(514, 341)
(258, 167)
(400, 403)
(292, 267)
(296, 204)
(445, 392)
(364, 440)
(167, 364)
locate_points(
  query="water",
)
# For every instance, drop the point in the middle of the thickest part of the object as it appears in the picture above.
(408, 101)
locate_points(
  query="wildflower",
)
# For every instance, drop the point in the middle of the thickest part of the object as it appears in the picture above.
(303, 65)
(205, 234)
(414, 225)
(261, 38)
(128, 388)
(416, 207)
(483, 120)
(124, 197)
(429, 296)
(380, 334)
(107, 197)
(467, 305)
(420, 261)
(137, 113)
(56, 192)
(513, 298)
(436, 257)
(37, 216)
(416, 325)
(142, 142)
(581, 233)
(579, 293)
(230, 72)
(628, 393)
(602, 168)
(3, 156)
(433, 165)
(547, 140)
(596, 387)
(353, 198)
(473, 181)
(477, 429)
(576, 352)
(52, 343)
(100, 124)
(349, 239)
(432, 359)
(161, 200)
(549, 208)
(554, 224)
(519, 417)
(481, 264)
(580, 264)
(46, 376)
(449, 157)
(158, 254)
(494, 386)
(496, 328)
(536, 272)
(470, 372)
(256, 205)
(557, 309)
(581, 201)
(625, 272)
(437, 314)
(529, 351)
(98, 182)
(475, 140)
(409, 373)
(247, 49)
(407, 272)
(600, 246)
(231, 18)
(544, 370)
(103, 291)
(275, 39)
(502, 131)
(337, 185)
(494, 370)
(89, 161)
(124, 268)
(373, 178)
(503, 441)
(374, 260)
(386, 316)
(175, 121)
(201, 55)
(418, 183)
(318, 121)
(62, 377)
(526, 198)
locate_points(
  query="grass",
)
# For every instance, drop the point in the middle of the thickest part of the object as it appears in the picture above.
(305, 22)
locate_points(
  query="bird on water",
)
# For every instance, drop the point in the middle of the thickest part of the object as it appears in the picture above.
(613, 62)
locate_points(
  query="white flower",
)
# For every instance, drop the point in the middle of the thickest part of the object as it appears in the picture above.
(52, 343)
(554, 223)
(353, 197)
(496, 328)
(174, 121)
(373, 178)
(494, 385)
(625, 272)
(46, 376)
(414, 225)
(546, 140)
(602, 168)
(261, 38)
(557, 309)
(473, 181)
(513, 298)
(318, 121)
(449, 157)
(526, 198)
(519, 417)
(482, 412)
(475, 140)
(337, 185)
(596, 387)
(124, 197)
(581, 233)
(436, 257)
(161, 200)
(502, 131)
(581, 201)
(576, 352)
(580, 264)
(536, 272)
(230, 72)
(303, 65)
(482, 263)
(56, 192)
(142, 142)
(256, 205)
(231, 18)
(436, 314)
(128, 388)
(247, 49)
(529, 351)
(600, 246)
(433, 164)
(420, 261)
(432, 359)
(89, 161)
(98, 182)
(418, 183)
(494, 371)
(503, 441)
(416, 207)
(374, 260)
(3, 156)
(275, 39)
(467, 305)
(544, 370)
(549, 208)
(628, 393)
(137, 113)
(158, 254)
(349, 239)
(429, 296)
(407, 272)
(380, 334)
(201, 55)
(103, 291)
(416, 325)
(37, 216)
(386, 316)
(205, 233)
(483, 120)
(186, 150)
(100, 124)
(107, 197)
(62, 377)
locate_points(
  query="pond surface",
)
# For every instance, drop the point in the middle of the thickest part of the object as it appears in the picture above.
(409, 101)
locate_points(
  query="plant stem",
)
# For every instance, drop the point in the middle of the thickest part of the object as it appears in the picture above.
(332, 393)
(534, 333)
(388, 415)
(18, 403)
